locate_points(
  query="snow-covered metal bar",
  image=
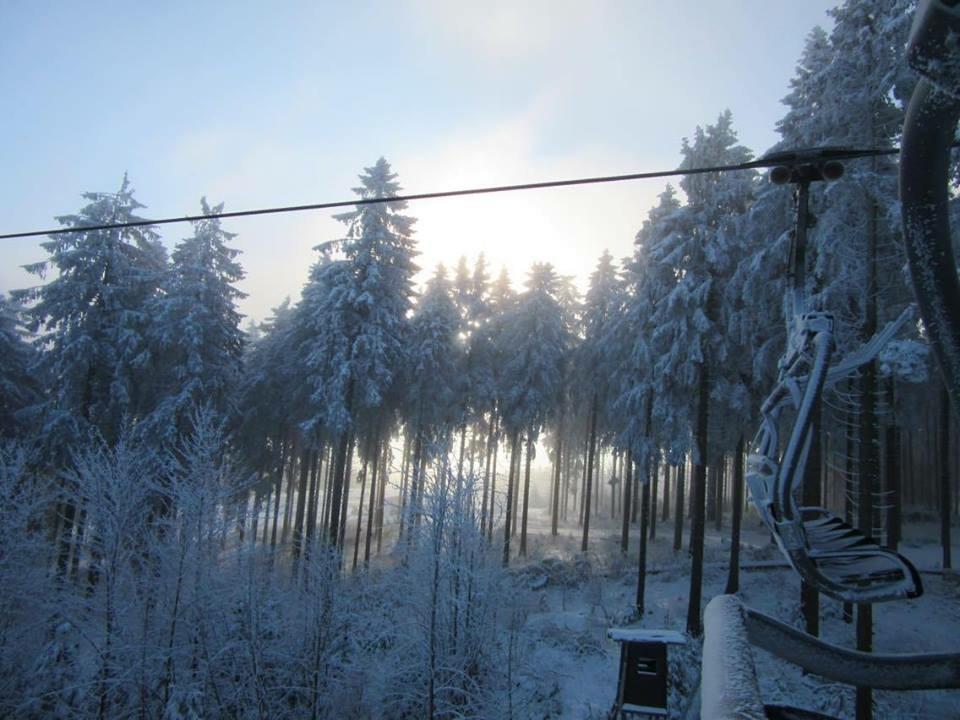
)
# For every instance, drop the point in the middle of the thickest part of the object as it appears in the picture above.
(919, 671)
(728, 682)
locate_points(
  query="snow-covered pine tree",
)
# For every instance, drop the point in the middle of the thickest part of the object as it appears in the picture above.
(690, 340)
(92, 321)
(378, 250)
(20, 388)
(503, 298)
(628, 337)
(94, 315)
(537, 342)
(196, 340)
(593, 368)
(431, 380)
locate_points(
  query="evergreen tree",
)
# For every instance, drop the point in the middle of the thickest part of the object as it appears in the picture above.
(379, 249)
(20, 389)
(373, 292)
(537, 342)
(94, 312)
(593, 367)
(692, 345)
(431, 379)
(196, 338)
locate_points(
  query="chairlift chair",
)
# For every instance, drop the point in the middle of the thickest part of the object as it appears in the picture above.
(828, 553)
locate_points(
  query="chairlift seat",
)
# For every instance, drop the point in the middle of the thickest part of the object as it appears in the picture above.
(845, 564)
(828, 553)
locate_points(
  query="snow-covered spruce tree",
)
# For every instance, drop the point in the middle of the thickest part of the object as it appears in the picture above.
(374, 294)
(430, 379)
(320, 337)
(592, 367)
(537, 344)
(268, 395)
(94, 320)
(20, 388)
(470, 293)
(563, 420)
(628, 337)
(690, 341)
(493, 337)
(481, 378)
(94, 315)
(195, 337)
(849, 92)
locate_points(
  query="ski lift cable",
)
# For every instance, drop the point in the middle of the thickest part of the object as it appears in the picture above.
(763, 162)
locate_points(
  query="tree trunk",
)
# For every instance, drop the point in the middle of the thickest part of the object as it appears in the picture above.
(557, 465)
(665, 510)
(298, 523)
(653, 492)
(583, 479)
(486, 479)
(405, 486)
(516, 488)
(591, 452)
(345, 495)
(526, 495)
(721, 481)
(613, 484)
(337, 498)
(627, 489)
(514, 442)
(644, 519)
(733, 575)
(678, 506)
(712, 481)
(313, 497)
(945, 477)
(698, 500)
(463, 445)
(266, 516)
(326, 454)
(68, 516)
(291, 471)
(382, 495)
(281, 466)
(373, 494)
(493, 478)
(363, 488)
(413, 510)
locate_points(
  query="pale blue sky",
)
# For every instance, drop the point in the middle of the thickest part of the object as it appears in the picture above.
(275, 103)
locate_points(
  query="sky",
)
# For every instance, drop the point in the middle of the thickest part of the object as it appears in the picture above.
(257, 104)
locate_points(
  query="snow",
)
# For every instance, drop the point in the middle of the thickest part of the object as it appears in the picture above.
(635, 635)
(571, 617)
(728, 687)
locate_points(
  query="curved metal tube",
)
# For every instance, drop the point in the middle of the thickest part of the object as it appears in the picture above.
(920, 671)
(924, 177)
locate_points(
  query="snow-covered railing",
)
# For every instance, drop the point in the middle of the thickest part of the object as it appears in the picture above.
(728, 681)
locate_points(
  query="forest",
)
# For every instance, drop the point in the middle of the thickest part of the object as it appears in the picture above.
(325, 514)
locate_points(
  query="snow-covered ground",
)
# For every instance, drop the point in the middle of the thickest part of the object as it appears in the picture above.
(571, 601)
